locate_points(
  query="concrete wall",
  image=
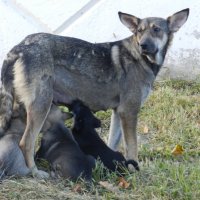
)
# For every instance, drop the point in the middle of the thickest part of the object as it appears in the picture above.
(97, 21)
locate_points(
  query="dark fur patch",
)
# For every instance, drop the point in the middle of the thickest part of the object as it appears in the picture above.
(89, 141)
(64, 155)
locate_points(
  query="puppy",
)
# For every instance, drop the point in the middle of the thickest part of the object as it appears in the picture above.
(59, 148)
(12, 161)
(89, 141)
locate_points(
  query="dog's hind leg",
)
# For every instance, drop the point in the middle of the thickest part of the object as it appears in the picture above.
(37, 111)
(33, 84)
(115, 131)
(36, 115)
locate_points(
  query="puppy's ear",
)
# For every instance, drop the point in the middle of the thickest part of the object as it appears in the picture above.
(129, 21)
(177, 20)
(66, 115)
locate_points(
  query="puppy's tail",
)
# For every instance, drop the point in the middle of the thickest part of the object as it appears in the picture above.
(133, 163)
(6, 93)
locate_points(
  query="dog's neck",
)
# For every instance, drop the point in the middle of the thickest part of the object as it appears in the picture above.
(154, 67)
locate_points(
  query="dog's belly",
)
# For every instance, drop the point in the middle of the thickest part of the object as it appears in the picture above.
(69, 86)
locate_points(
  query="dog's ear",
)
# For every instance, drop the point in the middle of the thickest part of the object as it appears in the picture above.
(96, 123)
(66, 115)
(177, 20)
(129, 21)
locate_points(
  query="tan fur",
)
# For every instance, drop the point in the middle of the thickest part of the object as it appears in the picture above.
(115, 54)
(25, 92)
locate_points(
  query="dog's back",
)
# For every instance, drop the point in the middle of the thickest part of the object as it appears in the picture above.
(89, 141)
(63, 153)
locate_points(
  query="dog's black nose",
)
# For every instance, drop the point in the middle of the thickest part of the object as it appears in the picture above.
(148, 47)
(144, 46)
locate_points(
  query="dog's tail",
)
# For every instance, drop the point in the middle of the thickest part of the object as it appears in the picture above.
(133, 163)
(6, 92)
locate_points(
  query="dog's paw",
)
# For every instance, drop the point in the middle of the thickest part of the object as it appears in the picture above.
(133, 168)
(132, 163)
(39, 174)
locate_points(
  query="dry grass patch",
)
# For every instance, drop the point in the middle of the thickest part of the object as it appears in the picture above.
(171, 116)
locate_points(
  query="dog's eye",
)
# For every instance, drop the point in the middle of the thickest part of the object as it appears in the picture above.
(156, 29)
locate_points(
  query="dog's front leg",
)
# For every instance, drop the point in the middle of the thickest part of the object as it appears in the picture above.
(128, 124)
(115, 131)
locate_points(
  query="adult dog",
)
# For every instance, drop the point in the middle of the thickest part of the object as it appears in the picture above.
(118, 75)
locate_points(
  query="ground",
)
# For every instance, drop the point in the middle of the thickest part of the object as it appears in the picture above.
(170, 117)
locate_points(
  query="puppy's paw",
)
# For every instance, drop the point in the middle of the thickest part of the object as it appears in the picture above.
(132, 165)
(131, 168)
(39, 174)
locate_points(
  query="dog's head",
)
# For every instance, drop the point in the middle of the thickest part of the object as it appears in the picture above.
(83, 117)
(55, 116)
(153, 34)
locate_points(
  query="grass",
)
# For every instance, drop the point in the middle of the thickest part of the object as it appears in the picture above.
(171, 116)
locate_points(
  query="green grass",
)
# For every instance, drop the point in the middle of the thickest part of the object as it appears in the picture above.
(172, 115)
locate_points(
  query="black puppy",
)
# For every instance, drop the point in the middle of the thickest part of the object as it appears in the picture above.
(60, 149)
(89, 141)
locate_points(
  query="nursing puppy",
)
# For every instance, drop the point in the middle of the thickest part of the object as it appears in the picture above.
(12, 160)
(59, 148)
(89, 141)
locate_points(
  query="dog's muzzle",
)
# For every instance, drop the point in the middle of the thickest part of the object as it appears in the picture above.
(148, 48)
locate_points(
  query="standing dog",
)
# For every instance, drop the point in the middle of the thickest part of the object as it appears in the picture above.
(118, 75)
(90, 143)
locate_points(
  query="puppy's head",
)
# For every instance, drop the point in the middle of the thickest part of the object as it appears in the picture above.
(83, 117)
(55, 116)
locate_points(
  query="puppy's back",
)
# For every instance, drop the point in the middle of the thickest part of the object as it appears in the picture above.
(11, 157)
(66, 158)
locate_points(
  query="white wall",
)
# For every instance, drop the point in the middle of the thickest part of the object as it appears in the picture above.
(97, 21)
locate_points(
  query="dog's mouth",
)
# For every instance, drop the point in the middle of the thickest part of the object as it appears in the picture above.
(150, 55)
(151, 52)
